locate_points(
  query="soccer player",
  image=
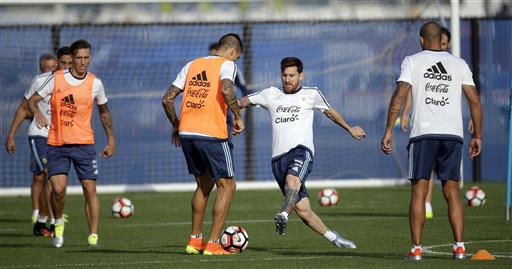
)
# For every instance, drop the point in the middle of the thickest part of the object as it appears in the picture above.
(47, 63)
(291, 110)
(71, 137)
(404, 122)
(436, 80)
(207, 84)
(37, 143)
(239, 78)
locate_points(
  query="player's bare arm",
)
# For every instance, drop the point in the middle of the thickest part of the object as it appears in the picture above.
(168, 104)
(34, 109)
(106, 121)
(356, 132)
(21, 114)
(401, 91)
(228, 91)
(475, 146)
(244, 102)
(404, 118)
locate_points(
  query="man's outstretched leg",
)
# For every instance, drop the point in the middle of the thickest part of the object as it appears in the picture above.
(291, 197)
(313, 221)
(205, 184)
(225, 189)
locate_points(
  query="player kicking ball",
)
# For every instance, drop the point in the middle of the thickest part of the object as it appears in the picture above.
(291, 111)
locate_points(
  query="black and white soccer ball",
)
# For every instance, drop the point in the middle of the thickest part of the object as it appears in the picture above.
(475, 196)
(234, 239)
(122, 208)
(328, 197)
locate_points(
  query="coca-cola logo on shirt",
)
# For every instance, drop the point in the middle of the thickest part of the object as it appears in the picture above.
(288, 109)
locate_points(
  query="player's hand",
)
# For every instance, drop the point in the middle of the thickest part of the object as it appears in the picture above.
(357, 132)
(404, 122)
(41, 121)
(10, 145)
(386, 143)
(238, 126)
(176, 137)
(475, 147)
(471, 128)
(108, 151)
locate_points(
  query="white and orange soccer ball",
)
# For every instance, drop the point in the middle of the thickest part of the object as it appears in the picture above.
(475, 196)
(122, 208)
(234, 239)
(328, 197)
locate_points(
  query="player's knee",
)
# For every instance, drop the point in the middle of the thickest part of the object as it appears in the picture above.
(228, 184)
(293, 183)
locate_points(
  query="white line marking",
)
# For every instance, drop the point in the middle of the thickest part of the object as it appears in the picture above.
(428, 249)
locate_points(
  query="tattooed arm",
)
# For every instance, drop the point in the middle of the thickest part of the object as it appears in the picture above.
(228, 91)
(401, 91)
(106, 121)
(168, 104)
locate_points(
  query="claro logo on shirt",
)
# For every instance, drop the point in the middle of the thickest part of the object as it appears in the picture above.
(437, 72)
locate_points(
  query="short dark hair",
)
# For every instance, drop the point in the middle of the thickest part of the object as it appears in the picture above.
(445, 31)
(46, 57)
(431, 31)
(231, 40)
(79, 44)
(63, 51)
(213, 46)
(291, 61)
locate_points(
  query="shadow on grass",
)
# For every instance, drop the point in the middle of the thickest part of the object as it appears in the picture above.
(16, 235)
(14, 220)
(365, 214)
(373, 255)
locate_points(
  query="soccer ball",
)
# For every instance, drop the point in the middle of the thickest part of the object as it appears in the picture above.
(475, 196)
(122, 208)
(234, 239)
(328, 197)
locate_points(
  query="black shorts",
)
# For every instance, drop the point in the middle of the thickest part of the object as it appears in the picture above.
(442, 156)
(215, 156)
(298, 162)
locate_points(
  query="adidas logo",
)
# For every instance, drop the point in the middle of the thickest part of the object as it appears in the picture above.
(68, 101)
(200, 80)
(437, 72)
(295, 168)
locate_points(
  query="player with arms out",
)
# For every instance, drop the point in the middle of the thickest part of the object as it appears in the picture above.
(291, 111)
(207, 84)
(40, 190)
(436, 80)
(71, 137)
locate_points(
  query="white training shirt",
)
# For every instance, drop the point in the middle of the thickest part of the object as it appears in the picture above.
(98, 91)
(291, 115)
(227, 71)
(436, 78)
(37, 82)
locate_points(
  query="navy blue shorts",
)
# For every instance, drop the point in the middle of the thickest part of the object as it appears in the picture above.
(38, 157)
(298, 162)
(442, 156)
(82, 156)
(204, 155)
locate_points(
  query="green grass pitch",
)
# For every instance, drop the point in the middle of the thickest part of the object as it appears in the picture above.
(155, 237)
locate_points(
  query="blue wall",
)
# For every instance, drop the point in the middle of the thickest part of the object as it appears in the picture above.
(355, 64)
